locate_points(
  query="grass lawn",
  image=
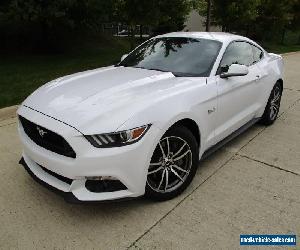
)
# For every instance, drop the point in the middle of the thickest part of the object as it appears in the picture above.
(20, 75)
(280, 49)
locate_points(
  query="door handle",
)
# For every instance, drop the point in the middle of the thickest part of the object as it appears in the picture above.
(211, 110)
(257, 77)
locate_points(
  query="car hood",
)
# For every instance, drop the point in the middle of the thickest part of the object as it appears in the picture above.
(104, 97)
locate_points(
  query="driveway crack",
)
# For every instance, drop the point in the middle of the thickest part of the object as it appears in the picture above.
(285, 88)
(180, 202)
(268, 164)
(4, 125)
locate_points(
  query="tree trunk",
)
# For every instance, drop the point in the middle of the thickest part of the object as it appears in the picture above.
(132, 33)
(283, 36)
(247, 30)
(141, 32)
(44, 43)
(207, 29)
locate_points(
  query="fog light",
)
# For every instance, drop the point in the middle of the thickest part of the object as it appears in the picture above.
(99, 184)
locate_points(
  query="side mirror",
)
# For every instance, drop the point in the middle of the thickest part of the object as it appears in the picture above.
(123, 57)
(235, 70)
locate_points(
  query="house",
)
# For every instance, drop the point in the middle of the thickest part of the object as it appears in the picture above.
(195, 22)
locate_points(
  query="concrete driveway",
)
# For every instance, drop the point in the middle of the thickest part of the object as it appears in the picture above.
(252, 185)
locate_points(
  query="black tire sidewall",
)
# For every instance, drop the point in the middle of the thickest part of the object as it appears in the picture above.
(187, 135)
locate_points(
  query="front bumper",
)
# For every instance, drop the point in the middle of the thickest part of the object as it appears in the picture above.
(68, 196)
(128, 164)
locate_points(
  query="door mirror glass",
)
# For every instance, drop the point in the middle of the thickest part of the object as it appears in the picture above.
(123, 57)
(235, 70)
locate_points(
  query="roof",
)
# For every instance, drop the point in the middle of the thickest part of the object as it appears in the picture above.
(219, 36)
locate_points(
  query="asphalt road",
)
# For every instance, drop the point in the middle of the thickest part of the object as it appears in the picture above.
(250, 186)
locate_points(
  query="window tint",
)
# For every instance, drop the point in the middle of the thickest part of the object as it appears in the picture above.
(257, 54)
(180, 55)
(238, 53)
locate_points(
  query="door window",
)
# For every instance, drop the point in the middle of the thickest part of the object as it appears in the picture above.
(237, 53)
(257, 54)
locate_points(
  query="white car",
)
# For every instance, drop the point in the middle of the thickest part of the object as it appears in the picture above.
(141, 127)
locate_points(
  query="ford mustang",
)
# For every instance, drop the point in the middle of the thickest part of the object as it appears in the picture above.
(142, 126)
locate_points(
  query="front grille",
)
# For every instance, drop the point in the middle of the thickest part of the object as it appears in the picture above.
(47, 139)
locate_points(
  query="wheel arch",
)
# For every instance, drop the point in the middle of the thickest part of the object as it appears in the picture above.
(191, 125)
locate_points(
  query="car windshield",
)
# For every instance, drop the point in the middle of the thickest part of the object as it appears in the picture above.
(180, 55)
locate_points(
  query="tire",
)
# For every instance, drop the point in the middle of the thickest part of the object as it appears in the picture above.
(169, 176)
(273, 105)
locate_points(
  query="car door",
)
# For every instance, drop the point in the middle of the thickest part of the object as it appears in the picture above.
(265, 80)
(237, 95)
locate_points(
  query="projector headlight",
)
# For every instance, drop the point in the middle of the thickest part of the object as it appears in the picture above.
(117, 139)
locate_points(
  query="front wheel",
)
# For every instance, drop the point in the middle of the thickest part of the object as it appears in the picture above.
(273, 105)
(173, 164)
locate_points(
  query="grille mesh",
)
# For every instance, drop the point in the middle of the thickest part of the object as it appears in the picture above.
(47, 139)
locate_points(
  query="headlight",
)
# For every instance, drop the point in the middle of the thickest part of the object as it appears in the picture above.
(117, 139)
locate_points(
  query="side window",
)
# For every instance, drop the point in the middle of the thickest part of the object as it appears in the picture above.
(237, 53)
(257, 54)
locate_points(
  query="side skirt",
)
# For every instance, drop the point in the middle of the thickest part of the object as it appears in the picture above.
(230, 137)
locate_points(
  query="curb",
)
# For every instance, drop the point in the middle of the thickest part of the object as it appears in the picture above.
(290, 53)
(8, 112)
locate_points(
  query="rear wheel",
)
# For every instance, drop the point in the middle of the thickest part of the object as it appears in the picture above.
(273, 105)
(173, 164)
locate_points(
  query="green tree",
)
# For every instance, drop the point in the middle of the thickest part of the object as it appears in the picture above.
(235, 15)
(231, 15)
(294, 23)
(45, 23)
(173, 15)
(161, 15)
(259, 19)
(273, 19)
(137, 12)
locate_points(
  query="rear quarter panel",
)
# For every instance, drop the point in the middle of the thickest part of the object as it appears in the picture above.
(272, 70)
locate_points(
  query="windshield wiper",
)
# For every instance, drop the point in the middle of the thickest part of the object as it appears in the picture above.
(137, 67)
(140, 67)
(161, 70)
(181, 74)
(177, 74)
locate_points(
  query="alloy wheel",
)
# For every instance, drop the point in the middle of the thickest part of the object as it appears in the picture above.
(275, 103)
(170, 165)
